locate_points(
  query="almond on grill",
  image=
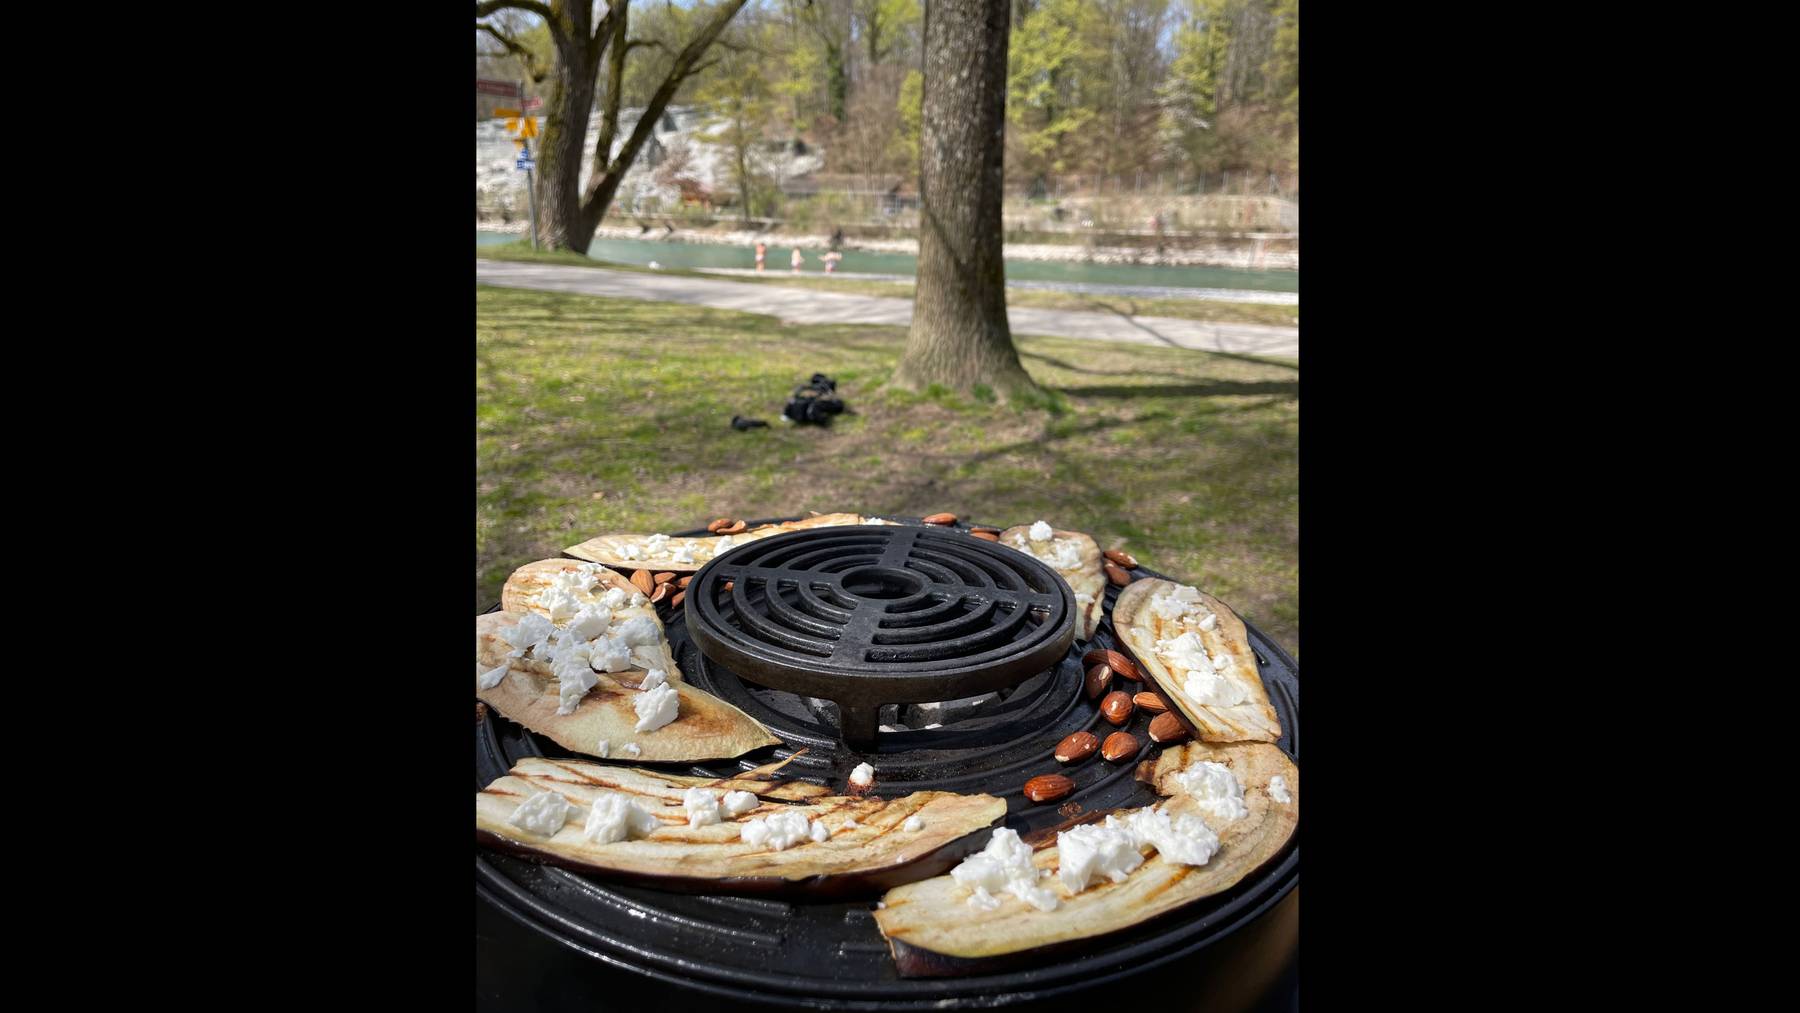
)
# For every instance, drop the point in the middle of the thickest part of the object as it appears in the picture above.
(1119, 577)
(733, 528)
(661, 592)
(663, 578)
(675, 602)
(1119, 746)
(685, 581)
(941, 519)
(1077, 747)
(1148, 701)
(1167, 728)
(1117, 707)
(1121, 557)
(1048, 787)
(720, 523)
(986, 536)
(1098, 681)
(642, 580)
(1113, 660)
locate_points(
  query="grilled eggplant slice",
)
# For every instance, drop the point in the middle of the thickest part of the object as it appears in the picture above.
(610, 549)
(526, 588)
(705, 728)
(934, 932)
(1252, 719)
(875, 855)
(1087, 579)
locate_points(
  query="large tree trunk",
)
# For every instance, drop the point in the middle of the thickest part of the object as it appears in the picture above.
(959, 336)
(570, 99)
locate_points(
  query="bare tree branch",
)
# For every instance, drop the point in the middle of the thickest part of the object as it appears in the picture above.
(537, 71)
(486, 7)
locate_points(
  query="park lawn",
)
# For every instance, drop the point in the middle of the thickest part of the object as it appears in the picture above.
(1186, 309)
(598, 415)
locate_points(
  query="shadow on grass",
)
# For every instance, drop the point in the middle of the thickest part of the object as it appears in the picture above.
(1217, 388)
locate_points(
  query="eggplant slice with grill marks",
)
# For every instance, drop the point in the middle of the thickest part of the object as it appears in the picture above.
(632, 552)
(1087, 578)
(861, 861)
(933, 931)
(530, 586)
(1140, 628)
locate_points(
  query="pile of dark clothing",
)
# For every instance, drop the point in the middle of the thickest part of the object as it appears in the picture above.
(813, 403)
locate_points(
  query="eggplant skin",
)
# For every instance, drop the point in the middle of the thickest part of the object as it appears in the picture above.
(932, 932)
(878, 855)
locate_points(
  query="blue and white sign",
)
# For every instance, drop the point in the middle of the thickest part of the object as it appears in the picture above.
(525, 164)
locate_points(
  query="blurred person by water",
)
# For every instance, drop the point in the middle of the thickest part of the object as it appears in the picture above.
(798, 259)
(762, 250)
(831, 261)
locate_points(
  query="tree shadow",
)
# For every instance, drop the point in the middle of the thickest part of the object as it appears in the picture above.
(1216, 388)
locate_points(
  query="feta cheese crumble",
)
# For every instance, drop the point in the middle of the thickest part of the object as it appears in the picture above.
(702, 807)
(590, 621)
(572, 683)
(1278, 789)
(863, 775)
(1184, 839)
(1003, 866)
(543, 813)
(610, 655)
(493, 676)
(818, 832)
(603, 749)
(1091, 852)
(631, 749)
(1041, 532)
(656, 708)
(614, 817)
(639, 632)
(780, 831)
(654, 678)
(737, 803)
(614, 598)
(913, 824)
(1215, 788)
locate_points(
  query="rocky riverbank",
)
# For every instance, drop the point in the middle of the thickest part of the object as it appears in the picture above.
(1250, 252)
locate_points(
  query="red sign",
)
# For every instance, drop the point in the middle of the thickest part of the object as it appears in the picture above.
(507, 88)
(533, 103)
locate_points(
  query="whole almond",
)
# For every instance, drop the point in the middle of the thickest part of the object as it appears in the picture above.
(1123, 558)
(675, 602)
(661, 592)
(1098, 681)
(1113, 660)
(1048, 787)
(733, 528)
(1117, 707)
(1119, 746)
(941, 519)
(663, 578)
(986, 536)
(1167, 728)
(728, 585)
(1119, 577)
(1148, 701)
(642, 580)
(1077, 747)
(716, 525)
(685, 581)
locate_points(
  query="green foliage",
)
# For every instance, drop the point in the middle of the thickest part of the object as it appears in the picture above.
(912, 101)
(1047, 55)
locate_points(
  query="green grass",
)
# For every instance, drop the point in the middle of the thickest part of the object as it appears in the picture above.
(1185, 309)
(612, 415)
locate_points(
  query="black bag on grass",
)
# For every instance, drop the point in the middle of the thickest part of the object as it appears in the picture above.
(815, 402)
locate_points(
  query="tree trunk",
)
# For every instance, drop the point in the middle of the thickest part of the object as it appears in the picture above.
(571, 96)
(959, 336)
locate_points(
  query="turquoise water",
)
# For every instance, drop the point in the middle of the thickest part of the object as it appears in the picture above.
(696, 255)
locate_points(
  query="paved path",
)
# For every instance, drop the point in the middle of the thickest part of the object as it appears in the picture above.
(809, 306)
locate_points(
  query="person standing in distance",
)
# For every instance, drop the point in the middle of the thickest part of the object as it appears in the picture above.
(762, 250)
(798, 259)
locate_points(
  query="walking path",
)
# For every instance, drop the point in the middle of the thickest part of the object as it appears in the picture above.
(809, 306)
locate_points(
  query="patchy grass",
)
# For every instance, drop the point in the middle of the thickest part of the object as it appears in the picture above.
(1185, 309)
(611, 415)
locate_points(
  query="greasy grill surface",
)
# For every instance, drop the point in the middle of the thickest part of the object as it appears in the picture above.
(787, 953)
(866, 616)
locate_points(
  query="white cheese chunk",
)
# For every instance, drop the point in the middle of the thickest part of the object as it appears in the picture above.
(639, 632)
(638, 600)
(529, 633)
(913, 824)
(559, 603)
(590, 621)
(543, 813)
(493, 676)
(818, 832)
(1278, 789)
(780, 831)
(1091, 852)
(1214, 690)
(1005, 866)
(684, 556)
(631, 749)
(1185, 839)
(863, 775)
(614, 598)
(654, 678)
(1041, 532)
(657, 545)
(1210, 622)
(737, 803)
(603, 749)
(573, 683)
(576, 581)
(851, 824)
(614, 817)
(702, 807)
(1065, 554)
(657, 708)
(724, 544)
(1214, 788)
(610, 655)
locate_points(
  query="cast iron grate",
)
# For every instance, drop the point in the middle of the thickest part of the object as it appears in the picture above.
(867, 616)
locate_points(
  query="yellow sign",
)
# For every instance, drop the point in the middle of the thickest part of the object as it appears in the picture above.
(530, 124)
(508, 112)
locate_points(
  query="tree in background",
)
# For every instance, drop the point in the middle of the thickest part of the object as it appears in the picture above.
(1046, 103)
(959, 335)
(742, 106)
(568, 213)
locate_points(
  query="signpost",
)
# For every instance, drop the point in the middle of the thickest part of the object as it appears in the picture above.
(525, 128)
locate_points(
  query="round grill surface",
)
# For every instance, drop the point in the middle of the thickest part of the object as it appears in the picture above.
(792, 953)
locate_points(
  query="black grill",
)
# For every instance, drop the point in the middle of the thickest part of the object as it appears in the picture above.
(866, 616)
(832, 954)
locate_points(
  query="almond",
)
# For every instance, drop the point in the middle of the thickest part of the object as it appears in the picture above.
(661, 592)
(1117, 707)
(1167, 728)
(1048, 787)
(716, 525)
(941, 519)
(675, 602)
(983, 527)
(1121, 557)
(986, 536)
(1098, 681)
(642, 580)
(1148, 701)
(685, 581)
(663, 578)
(1119, 746)
(733, 528)
(1113, 660)
(728, 585)
(1119, 577)
(1077, 747)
